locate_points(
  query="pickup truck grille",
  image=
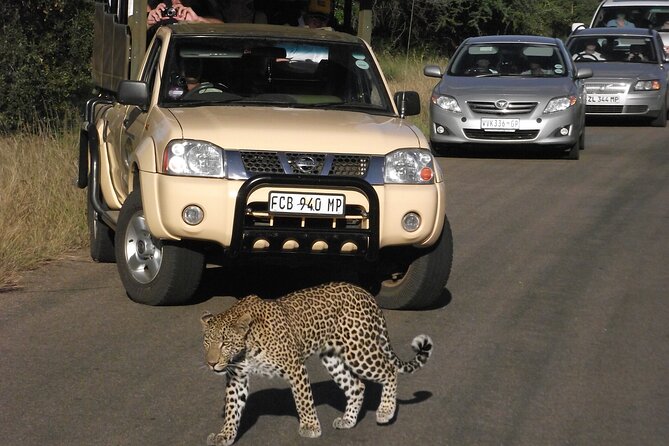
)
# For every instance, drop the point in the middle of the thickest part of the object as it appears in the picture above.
(297, 163)
(258, 232)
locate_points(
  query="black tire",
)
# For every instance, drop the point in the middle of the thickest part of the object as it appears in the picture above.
(101, 237)
(153, 272)
(574, 152)
(409, 278)
(661, 120)
(581, 140)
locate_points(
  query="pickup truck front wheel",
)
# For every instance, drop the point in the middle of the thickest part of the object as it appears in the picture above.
(153, 272)
(410, 278)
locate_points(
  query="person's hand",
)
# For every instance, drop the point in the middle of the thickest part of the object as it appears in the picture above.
(155, 15)
(186, 14)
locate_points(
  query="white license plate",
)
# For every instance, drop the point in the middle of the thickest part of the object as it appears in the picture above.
(603, 99)
(500, 124)
(306, 203)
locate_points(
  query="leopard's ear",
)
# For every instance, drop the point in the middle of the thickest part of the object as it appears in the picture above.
(243, 323)
(206, 317)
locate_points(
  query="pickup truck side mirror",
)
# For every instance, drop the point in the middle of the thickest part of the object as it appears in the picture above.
(133, 93)
(583, 73)
(408, 103)
(432, 71)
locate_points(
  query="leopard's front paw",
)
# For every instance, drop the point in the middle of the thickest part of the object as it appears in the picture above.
(219, 440)
(310, 431)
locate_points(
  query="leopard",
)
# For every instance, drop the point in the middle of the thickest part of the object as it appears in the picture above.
(339, 321)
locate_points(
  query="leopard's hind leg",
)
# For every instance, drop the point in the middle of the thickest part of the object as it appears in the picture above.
(353, 388)
(386, 410)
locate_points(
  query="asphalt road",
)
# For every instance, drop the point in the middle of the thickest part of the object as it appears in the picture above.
(556, 330)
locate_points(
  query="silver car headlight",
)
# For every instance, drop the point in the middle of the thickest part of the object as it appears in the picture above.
(448, 103)
(560, 104)
(194, 158)
(648, 85)
(409, 166)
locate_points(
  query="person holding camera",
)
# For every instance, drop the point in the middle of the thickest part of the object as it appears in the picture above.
(163, 13)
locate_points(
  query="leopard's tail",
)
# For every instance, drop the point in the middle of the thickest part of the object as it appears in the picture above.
(422, 345)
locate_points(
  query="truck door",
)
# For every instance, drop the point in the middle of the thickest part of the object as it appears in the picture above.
(134, 122)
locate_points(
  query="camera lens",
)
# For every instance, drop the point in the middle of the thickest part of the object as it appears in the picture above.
(169, 12)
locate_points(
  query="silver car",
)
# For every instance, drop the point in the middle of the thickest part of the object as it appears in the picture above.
(508, 91)
(630, 72)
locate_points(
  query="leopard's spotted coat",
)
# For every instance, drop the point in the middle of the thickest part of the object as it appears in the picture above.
(338, 320)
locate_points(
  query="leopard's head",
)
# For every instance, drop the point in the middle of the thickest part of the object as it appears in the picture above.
(224, 339)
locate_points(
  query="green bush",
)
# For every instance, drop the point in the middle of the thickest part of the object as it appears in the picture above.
(46, 53)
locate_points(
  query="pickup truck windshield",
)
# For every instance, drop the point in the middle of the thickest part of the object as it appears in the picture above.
(289, 73)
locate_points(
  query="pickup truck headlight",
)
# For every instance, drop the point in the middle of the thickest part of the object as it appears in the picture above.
(560, 104)
(194, 158)
(647, 85)
(409, 166)
(448, 103)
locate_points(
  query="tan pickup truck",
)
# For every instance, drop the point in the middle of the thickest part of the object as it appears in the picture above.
(257, 143)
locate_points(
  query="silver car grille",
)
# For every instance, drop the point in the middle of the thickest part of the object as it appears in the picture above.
(606, 87)
(260, 162)
(518, 135)
(509, 108)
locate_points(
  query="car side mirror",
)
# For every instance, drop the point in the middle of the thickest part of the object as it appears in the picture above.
(583, 73)
(408, 103)
(432, 71)
(133, 93)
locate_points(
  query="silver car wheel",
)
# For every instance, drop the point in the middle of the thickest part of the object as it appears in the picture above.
(143, 253)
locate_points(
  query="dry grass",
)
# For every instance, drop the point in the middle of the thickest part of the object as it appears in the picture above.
(404, 73)
(42, 213)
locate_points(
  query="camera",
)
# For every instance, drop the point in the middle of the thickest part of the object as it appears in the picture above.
(169, 12)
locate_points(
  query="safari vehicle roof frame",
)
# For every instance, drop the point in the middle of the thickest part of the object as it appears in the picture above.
(119, 42)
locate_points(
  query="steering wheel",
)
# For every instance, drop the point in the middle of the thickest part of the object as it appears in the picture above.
(205, 86)
(586, 56)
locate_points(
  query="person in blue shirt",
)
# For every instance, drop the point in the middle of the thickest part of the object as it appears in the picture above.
(620, 22)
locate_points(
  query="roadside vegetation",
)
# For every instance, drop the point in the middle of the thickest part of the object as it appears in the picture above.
(42, 212)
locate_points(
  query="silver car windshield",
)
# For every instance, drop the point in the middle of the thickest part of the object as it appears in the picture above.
(627, 49)
(509, 59)
(283, 73)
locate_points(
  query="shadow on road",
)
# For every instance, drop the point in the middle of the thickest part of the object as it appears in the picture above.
(271, 282)
(279, 402)
(497, 152)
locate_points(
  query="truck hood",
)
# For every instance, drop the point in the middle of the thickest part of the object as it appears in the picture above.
(292, 129)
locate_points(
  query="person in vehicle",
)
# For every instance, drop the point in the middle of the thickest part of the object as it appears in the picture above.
(482, 67)
(317, 14)
(637, 54)
(536, 69)
(161, 13)
(620, 22)
(589, 53)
